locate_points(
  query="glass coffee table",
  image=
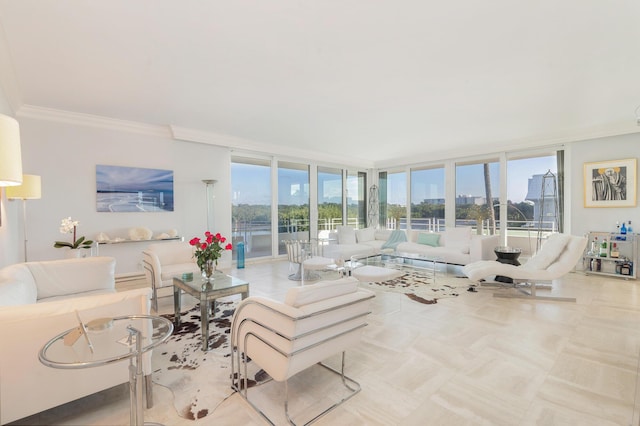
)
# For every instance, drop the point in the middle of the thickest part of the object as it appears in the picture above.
(206, 292)
(426, 266)
(106, 340)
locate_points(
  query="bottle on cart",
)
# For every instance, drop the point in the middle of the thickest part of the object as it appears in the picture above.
(629, 229)
(604, 248)
(594, 247)
(623, 232)
(614, 250)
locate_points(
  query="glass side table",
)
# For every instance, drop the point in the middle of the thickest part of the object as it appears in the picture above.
(107, 340)
(206, 292)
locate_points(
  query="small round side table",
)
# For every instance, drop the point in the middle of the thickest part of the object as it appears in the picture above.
(507, 255)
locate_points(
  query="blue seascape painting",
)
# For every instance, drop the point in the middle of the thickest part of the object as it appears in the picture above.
(133, 189)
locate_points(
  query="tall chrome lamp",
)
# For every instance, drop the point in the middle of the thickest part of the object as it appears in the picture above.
(31, 189)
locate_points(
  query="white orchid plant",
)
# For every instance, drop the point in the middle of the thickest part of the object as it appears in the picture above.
(70, 226)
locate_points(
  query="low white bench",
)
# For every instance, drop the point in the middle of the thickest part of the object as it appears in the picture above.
(369, 273)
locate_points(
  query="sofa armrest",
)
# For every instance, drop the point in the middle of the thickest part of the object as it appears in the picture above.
(482, 246)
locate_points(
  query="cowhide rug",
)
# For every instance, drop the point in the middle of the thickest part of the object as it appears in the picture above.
(422, 289)
(199, 380)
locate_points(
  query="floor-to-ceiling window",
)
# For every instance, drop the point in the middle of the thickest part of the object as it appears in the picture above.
(534, 199)
(293, 202)
(357, 199)
(329, 198)
(427, 198)
(251, 205)
(477, 187)
(393, 200)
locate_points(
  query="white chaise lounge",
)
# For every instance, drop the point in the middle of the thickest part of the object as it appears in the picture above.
(557, 256)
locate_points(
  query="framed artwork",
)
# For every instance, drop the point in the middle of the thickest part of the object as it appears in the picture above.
(610, 183)
(133, 189)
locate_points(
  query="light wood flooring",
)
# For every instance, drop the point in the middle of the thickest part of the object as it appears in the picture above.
(470, 360)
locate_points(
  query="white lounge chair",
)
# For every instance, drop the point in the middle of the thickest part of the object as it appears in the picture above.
(557, 256)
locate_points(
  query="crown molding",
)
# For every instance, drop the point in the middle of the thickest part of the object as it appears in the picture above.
(494, 147)
(239, 144)
(89, 120)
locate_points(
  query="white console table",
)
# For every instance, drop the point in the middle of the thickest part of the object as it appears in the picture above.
(98, 243)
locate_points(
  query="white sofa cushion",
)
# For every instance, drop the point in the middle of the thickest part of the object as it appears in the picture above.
(170, 271)
(305, 295)
(346, 235)
(365, 234)
(15, 293)
(73, 276)
(173, 253)
(458, 238)
(383, 234)
(550, 250)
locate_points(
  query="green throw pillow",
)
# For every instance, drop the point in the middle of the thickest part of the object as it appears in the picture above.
(429, 239)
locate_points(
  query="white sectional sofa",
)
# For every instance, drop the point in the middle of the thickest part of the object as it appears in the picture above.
(458, 246)
(38, 301)
(346, 241)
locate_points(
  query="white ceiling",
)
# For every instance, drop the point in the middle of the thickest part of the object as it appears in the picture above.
(374, 81)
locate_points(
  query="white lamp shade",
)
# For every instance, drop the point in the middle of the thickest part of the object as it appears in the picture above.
(10, 155)
(31, 188)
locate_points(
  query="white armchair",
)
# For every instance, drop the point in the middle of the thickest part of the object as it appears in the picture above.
(163, 261)
(314, 322)
(557, 256)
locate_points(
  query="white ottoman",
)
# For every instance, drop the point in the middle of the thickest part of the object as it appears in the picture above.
(371, 273)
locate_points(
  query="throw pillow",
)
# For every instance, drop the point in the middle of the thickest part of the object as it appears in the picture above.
(346, 235)
(427, 239)
(366, 234)
(550, 250)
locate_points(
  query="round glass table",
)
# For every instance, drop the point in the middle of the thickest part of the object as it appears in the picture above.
(106, 340)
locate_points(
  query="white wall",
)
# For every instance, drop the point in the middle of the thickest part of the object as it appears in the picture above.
(604, 149)
(66, 155)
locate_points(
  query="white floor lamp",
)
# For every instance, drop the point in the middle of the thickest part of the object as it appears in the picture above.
(31, 189)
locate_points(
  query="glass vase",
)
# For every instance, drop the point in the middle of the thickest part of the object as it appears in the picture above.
(208, 269)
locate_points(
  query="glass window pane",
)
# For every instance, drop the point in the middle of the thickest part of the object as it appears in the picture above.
(357, 199)
(393, 200)
(293, 203)
(525, 208)
(329, 198)
(475, 184)
(427, 199)
(251, 205)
